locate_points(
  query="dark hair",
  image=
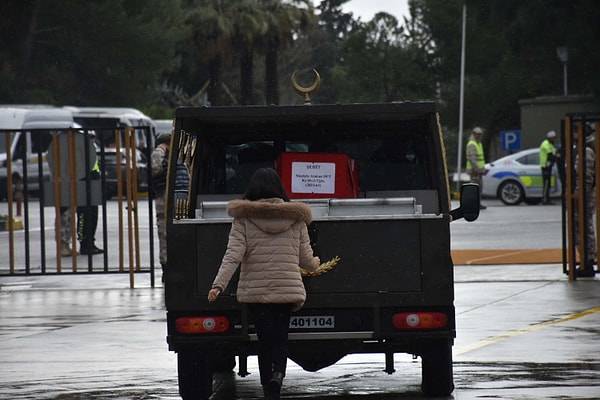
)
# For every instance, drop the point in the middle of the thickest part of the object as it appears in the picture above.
(265, 184)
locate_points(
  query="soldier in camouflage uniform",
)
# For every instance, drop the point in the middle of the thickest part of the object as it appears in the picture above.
(590, 206)
(160, 164)
(65, 232)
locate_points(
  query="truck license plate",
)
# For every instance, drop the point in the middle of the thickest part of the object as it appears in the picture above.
(312, 321)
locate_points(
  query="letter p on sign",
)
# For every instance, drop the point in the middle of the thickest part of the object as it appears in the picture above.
(510, 140)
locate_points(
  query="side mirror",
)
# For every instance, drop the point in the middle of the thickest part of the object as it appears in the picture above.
(469, 203)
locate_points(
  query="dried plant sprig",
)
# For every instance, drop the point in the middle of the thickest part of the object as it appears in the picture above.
(325, 267)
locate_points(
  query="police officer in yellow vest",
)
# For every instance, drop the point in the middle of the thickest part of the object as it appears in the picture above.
(476, 159)
(87, 216)
(547, 159)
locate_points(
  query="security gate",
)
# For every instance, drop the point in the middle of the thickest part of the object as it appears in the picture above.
(51, 177)
(581, 216)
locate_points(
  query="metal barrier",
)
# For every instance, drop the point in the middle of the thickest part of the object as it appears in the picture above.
(60, 173)
(577, 127)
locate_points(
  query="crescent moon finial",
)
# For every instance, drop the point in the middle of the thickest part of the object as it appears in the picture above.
(306, 91)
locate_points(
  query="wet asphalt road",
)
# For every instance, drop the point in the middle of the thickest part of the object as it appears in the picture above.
(523, 332)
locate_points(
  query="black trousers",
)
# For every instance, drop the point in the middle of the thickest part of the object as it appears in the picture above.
(87, 221)
(547, 179)
(272, 323)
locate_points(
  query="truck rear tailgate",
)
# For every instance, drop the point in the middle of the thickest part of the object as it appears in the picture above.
(381, 244)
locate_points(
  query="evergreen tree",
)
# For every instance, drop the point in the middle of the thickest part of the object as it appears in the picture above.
(104, 52)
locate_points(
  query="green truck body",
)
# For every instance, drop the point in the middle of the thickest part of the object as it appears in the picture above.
(384, 211)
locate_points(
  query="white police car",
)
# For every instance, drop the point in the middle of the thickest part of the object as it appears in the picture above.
(518, 177)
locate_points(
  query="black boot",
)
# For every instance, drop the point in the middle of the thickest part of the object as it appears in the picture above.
(163, 267)
(587, 271)
(89, 248)
(273, 388)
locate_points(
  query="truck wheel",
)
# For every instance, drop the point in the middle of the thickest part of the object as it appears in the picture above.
(195, 375)
(437, 379)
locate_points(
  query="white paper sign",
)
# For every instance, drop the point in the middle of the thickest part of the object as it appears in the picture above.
(313, 177)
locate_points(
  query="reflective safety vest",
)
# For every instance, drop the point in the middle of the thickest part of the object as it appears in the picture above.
(96, 167)
(480, 157)
(547, 147)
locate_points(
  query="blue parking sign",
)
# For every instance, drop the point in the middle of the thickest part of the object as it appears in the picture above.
(510, 140)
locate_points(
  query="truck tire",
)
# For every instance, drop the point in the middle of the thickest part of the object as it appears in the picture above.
(195, 375)
(437, 377)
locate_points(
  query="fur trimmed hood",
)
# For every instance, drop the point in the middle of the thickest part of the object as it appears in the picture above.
(273, 208)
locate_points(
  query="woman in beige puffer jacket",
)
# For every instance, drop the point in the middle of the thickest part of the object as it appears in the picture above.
(269, 239)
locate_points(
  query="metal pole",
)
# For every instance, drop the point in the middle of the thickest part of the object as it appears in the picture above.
(565, 78)
(462, 96)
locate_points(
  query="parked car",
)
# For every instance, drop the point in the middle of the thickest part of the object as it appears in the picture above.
(105, 119)
(518, 177)
(163, 126)
(28, 129)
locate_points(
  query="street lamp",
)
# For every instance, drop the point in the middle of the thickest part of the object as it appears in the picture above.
(462, 96)
(563, 55)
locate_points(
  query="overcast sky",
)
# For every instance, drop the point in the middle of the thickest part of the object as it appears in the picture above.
(366, 9)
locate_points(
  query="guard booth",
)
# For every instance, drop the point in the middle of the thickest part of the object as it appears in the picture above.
(580, 211)
(64, 157)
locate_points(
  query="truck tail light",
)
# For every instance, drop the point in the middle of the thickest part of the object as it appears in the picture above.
(419, 320)
(212, 324)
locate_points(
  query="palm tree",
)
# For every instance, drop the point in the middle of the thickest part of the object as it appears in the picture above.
(212, 30)
(219, 28)
(249, 25)
(284, 20)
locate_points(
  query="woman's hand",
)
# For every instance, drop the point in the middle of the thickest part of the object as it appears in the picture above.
(213, 294)
(318, 261)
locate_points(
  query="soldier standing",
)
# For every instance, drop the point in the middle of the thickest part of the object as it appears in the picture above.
(160, 165)
(589, 177)
(87, 215)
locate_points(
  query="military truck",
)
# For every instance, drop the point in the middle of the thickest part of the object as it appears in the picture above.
(375, 178)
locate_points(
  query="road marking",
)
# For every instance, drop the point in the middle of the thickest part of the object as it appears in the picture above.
(507, 256)
(532, 328)
(496, 256)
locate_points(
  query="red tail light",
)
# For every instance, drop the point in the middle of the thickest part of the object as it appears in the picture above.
(202, 324)
(419, 320)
